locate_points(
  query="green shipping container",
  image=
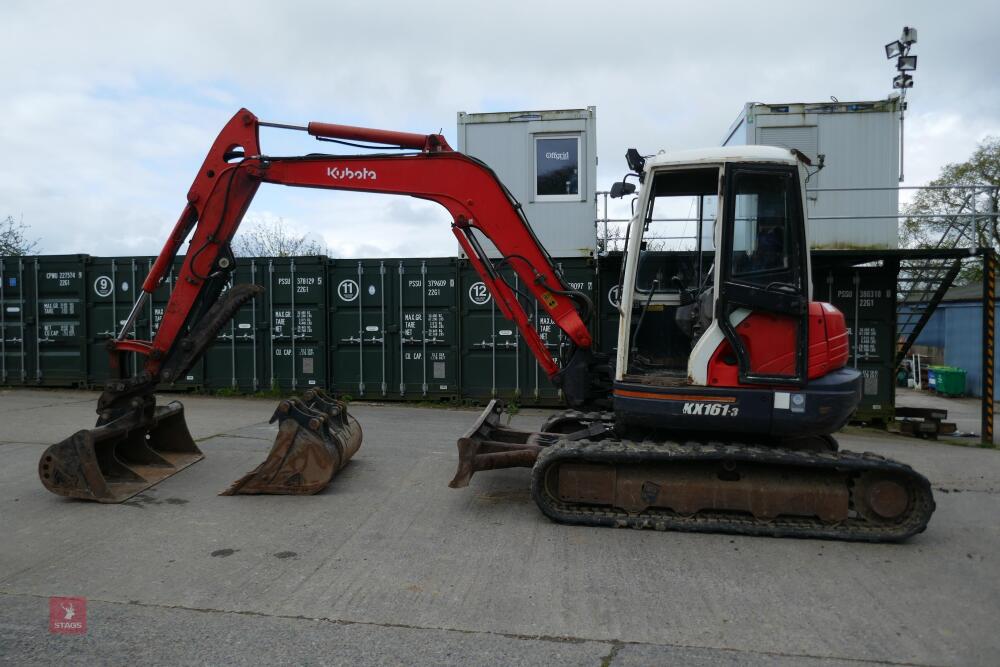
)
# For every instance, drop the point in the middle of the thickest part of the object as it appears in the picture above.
(111, 290)
(496, 360)
(867, 297)
(863, 293)
(394, 328)
(43, 320)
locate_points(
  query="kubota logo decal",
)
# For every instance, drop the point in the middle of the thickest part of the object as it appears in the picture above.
(348, 174)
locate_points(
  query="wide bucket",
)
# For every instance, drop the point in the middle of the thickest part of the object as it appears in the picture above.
(316, 438)
(113, 462)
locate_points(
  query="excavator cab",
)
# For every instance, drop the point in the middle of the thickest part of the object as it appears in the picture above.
(764, 361)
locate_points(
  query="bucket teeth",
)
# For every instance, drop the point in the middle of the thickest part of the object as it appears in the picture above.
(113, 462)
(316, 438)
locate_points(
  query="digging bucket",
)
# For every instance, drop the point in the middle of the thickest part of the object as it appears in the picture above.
(316, 438)
(113, 462)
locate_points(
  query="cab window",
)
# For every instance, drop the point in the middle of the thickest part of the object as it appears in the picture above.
(762, 225)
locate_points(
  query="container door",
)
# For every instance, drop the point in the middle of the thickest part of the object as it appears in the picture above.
(110, 285)
(13, 304)
(427, 329)
(297, 316)
(60, 296)
(361, 308)
(491, 350)
(235, 360)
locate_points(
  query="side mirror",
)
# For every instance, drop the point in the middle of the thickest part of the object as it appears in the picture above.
(621, 188)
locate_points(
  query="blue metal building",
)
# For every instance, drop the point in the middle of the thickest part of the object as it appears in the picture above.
(956, 326)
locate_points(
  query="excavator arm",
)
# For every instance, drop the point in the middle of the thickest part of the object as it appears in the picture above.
(137, 443)
(234, 169)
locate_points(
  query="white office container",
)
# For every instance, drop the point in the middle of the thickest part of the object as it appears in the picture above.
(860, 143)
(548, 160)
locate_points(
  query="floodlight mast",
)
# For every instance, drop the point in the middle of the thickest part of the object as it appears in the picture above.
(900, 50)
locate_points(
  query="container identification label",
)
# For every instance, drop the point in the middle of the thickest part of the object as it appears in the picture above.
(479, 294)
(103, 286)
(348, 290)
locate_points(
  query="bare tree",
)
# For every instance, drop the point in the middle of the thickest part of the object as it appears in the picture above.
(14, 241)
(272, 238)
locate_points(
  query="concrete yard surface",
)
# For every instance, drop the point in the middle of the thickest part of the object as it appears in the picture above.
(390, 566)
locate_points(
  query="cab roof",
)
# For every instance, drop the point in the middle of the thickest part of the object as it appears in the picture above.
(718, 154)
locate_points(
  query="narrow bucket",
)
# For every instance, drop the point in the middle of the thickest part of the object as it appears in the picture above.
(316, 438)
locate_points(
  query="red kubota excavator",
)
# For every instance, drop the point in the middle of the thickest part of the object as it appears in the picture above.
(736, 438)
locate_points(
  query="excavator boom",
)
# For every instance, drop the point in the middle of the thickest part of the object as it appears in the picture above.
(467, 188)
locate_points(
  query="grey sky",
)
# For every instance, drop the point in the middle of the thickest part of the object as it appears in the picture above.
(110, 107)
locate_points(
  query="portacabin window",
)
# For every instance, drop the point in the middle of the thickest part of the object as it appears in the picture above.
(557, 168)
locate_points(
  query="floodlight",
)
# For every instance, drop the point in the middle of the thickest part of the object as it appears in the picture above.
(893, 49)
(906, 63)
(909, 36)
(903, 81)
(636, 162)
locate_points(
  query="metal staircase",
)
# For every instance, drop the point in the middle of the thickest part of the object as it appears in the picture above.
(924, 281)
(922, 285)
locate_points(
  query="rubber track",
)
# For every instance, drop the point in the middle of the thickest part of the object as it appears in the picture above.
(617, 452)
(583, 417)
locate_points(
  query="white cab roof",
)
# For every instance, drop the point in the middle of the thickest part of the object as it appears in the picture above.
(718, 154)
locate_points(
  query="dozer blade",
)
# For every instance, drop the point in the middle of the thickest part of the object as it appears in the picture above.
(489, 445)
(316, 438)
(113, 462)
